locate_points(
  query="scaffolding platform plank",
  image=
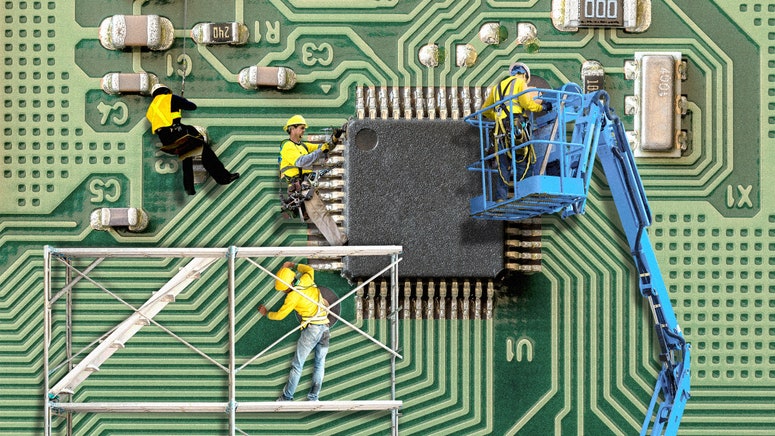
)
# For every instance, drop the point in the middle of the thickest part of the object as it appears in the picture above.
(222, 407)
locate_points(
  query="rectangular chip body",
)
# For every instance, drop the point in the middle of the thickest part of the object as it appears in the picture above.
(658, 93)
(630, 15)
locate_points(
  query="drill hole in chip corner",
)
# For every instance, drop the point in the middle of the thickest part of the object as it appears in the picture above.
(366, 139)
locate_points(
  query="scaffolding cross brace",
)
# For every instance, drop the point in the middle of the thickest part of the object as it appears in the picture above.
(202, 258)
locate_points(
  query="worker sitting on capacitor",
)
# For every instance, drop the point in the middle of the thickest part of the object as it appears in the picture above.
(296, 160)
(183, 140)
(508, 113)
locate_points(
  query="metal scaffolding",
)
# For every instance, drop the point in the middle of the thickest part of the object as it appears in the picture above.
(201, 258)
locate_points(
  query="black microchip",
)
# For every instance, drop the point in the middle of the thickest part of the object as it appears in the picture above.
(601, 13)
(407, 184)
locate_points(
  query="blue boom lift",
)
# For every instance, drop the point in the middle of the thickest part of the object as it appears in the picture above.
(552, 156)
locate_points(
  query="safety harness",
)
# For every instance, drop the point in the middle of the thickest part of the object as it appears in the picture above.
(501, 133)
(320, 314)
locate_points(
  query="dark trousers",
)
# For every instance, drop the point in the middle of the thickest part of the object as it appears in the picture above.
(212, 164)
(180, 139)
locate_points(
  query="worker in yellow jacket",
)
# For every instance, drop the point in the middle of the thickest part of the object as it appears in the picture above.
(302, 297)
(503, 114)
(296, 160)
(164, 113)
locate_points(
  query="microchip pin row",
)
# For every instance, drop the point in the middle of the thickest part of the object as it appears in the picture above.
(416, 103)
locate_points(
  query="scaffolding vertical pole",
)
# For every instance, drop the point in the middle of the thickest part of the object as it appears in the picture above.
(69, 334)
(46, 337)
(232, 409)
(393, 337)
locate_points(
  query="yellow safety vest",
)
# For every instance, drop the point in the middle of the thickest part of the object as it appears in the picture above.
(160, 112)
(289, 153)
(310, 312)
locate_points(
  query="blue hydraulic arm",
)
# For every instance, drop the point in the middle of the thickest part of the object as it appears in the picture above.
(594, 131)
(630, 199)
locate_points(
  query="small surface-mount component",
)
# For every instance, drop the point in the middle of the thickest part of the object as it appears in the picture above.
(630, 15)
(657, 105)
(490, 33)
(128, 83)
(592, 76)
(134, 219)
(465, 55)
(255, 76)
(122, 31)
(429, 55)
(232, 33)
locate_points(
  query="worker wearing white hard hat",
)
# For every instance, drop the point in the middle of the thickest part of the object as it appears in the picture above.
(506, 114)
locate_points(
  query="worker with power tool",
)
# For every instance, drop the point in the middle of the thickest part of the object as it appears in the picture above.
(303, 296)
(164, 113)
(508, 112)
(296, 160)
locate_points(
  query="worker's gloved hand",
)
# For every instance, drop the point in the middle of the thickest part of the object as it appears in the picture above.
(325, 148)
(337, 134)
(546, 106)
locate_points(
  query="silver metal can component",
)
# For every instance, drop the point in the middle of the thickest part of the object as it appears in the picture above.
(657, 105)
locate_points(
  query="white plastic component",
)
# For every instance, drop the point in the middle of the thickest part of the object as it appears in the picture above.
(128, 83)
(121, 31)
(135, 219)
(255, 76)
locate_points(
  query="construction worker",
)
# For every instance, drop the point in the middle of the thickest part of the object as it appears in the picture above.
(504, 135)
(183, 140)
(302, 297)
(296, 160)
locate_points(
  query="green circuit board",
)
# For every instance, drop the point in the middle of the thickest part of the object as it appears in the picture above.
(567, 347)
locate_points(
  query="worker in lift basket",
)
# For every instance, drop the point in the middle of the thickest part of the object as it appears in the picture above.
(183, 140)
(314, 325)
(516, 82)
(296, 160)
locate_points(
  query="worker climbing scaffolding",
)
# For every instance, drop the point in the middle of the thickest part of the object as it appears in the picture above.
(296, 160)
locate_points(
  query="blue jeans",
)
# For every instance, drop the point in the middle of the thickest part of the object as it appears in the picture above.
(312, 337)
